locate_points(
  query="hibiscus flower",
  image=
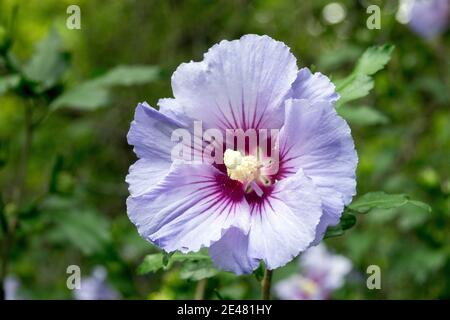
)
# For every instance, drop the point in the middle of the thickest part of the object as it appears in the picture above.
(322, 273)
(242, 209)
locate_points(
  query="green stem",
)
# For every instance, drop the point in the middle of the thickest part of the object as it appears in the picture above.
(266, 284)
(200, 289)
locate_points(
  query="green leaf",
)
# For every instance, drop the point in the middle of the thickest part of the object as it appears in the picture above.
(180, 257)
(4, 39)
(382, 200)
(128, 76)
(434, 87)
(422, 262)
(410, 217)
(9, 82)
(48, 63)
(95, 93)
(354, 87)
(421, 205)
(198, 270)
(363, 115)
(218, 295)
(369, 201)
(83, 97)
(259, 272)
(374, 59)
(379, 200)
(166, 258)
(151, 263)
(359, 83)
(346, 222)
(156, 261)
(56, 170)
(85, 229)
(334, 59)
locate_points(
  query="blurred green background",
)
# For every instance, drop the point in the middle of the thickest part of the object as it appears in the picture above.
(66, 200)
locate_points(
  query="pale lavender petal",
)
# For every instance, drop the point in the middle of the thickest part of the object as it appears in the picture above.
(340, 268)
(298, 287)
(239, 84)
(322, 273)
(189, 209)
(319, 141)
(145, 174)
(230, 252)
(284, 224)
(313, 87)
(96, 287)
(172, 109)
(150, 133)
(333, 205)
(330, 217)
(288, 289)
(326, 268)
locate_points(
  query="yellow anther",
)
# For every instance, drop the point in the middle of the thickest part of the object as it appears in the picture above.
(241, 168)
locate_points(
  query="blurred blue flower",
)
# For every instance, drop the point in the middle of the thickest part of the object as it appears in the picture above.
(322, 273)
(429, 18)
(11, 287)
(241, 209)
(96, 287)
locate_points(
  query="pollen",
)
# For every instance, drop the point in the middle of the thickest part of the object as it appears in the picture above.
(241, 168)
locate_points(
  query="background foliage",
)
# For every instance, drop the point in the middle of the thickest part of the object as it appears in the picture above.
(67, 98)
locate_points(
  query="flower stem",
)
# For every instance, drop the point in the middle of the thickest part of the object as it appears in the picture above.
(266, 284)
(200, 289)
